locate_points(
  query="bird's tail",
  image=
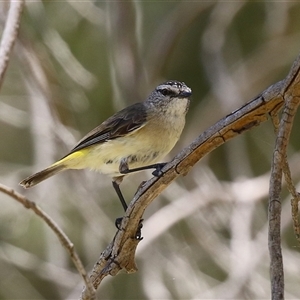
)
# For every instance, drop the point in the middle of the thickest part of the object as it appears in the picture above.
(42, 175)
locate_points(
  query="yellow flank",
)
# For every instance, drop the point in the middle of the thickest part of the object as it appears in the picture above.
(73, 160)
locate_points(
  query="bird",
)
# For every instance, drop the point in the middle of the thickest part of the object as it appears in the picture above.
(134, 139)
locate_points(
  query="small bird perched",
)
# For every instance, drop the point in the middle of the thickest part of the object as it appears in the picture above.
(133, 139)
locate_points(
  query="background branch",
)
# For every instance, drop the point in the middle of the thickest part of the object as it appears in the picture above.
(63, 238)
(10, 34)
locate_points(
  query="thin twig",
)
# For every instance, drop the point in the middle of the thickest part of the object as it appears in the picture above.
(10, 34)
(63, 238)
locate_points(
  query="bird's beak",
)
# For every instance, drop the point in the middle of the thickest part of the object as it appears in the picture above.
(186, 93)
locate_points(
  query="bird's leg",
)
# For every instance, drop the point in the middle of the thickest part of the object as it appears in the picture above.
(124, 169)
(116, 184)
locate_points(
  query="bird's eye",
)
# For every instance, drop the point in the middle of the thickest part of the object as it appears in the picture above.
(167, 92)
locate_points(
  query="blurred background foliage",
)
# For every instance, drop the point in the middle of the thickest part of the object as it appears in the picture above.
(75, 64)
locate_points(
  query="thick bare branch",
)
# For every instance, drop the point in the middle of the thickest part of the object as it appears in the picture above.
(116, 256)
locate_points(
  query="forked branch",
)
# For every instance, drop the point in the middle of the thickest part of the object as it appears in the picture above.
(120, 253)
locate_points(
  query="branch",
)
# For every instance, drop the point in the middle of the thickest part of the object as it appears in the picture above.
(280, 165)
(10, 34)
(63, 238)
(119, 254)
(291, 109)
